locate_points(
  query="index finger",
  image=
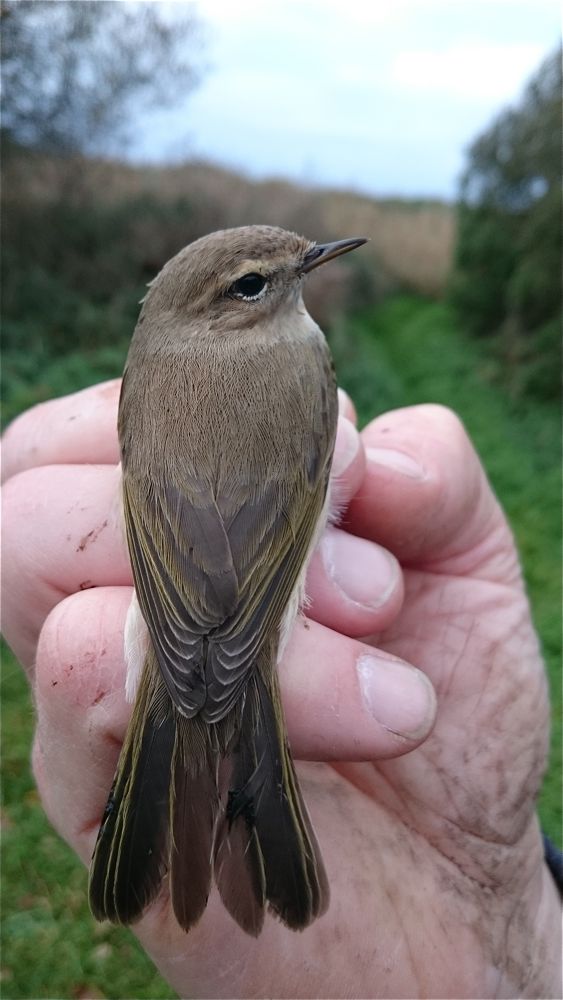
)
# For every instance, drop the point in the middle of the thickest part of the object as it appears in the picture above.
(80, 429)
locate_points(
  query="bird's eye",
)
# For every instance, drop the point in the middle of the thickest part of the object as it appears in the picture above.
(249, 287)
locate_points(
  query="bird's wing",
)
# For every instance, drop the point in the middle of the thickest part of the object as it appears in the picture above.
(214, 574)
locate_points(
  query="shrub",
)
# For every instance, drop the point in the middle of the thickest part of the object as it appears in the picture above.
(506, 281)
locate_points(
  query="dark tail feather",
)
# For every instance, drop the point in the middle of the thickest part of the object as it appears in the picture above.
(238, 863)
(239, 873)
(266, 831)
(131, 853)
(194, 806)
(160, 814)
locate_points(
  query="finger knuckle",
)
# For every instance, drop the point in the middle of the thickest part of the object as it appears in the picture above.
(19, 501)
(447, 421)
(21, 495)
(68, 654)
(17, 441)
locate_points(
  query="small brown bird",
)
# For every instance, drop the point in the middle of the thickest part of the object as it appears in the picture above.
(227, 421)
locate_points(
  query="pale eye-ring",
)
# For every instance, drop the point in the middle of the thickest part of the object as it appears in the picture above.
(249, 287)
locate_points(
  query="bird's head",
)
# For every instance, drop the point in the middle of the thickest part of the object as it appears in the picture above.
(235, 278)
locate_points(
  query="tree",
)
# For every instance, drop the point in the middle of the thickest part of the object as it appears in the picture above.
(506, 282)
(71, 71)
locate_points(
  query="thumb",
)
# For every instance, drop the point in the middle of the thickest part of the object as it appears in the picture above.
(426, 497)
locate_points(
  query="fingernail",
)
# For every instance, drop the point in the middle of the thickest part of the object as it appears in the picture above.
(364, 573)
(399, 461)
(396, 695)
(346, 448)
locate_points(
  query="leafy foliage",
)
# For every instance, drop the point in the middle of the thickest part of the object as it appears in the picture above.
(506, 283)
(74, 271)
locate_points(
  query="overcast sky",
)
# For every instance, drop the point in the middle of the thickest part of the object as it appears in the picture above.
(382, 96)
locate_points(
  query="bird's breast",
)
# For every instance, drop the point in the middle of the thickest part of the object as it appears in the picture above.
(218, 411)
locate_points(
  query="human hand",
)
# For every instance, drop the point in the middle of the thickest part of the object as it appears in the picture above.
(434, 859)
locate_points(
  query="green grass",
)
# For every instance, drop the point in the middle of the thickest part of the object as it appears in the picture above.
(405, 352)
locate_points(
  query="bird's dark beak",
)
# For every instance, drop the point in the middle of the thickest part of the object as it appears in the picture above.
(326, 251)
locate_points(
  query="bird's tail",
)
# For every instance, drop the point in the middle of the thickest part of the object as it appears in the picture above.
(198, 799)
(131, 852)
(266, 852)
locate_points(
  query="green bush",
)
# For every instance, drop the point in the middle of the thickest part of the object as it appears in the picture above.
(74, 271)
(485, 261)
(506, 282)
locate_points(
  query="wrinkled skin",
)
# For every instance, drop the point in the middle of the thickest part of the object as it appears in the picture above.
(424, 806)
